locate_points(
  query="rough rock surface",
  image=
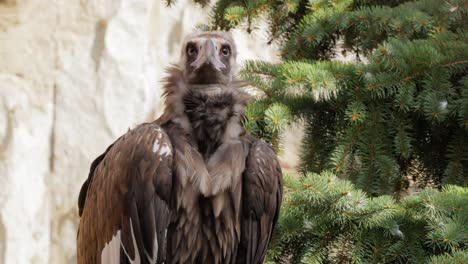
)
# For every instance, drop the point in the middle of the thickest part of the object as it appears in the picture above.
(74, 75)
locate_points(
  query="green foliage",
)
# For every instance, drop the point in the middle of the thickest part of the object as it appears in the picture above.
(402, 101)
(396, 113)
(337, 223)
(266, 120)
(456, 257)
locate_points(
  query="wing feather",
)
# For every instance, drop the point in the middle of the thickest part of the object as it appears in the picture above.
(261, 201)
(126, 197)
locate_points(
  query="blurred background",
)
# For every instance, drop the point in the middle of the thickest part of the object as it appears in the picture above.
(75, 75)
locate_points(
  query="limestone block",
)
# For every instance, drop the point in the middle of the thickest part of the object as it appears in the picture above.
(25, 125)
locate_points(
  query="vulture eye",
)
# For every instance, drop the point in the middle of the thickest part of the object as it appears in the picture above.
(191, 49)
(225, 50)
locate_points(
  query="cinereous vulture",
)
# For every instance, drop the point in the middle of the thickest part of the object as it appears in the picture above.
(192, 186)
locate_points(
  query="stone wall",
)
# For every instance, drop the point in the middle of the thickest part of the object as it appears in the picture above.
(74, 75)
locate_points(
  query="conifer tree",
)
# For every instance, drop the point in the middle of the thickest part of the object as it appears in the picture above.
(327, 220)
(399, 109)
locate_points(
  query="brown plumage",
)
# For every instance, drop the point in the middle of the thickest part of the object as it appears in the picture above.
(190, 187)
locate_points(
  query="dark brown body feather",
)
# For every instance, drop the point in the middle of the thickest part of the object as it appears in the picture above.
(191, 187)
(208, 116)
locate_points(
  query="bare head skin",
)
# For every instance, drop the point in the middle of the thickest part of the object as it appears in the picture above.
(208, 58)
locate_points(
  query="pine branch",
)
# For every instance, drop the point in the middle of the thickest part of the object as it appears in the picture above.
(258, 87)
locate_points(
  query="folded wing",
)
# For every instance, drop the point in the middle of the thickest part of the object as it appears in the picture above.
(124, 203)
(261, 201)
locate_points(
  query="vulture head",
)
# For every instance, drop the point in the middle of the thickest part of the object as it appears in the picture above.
(208, 58)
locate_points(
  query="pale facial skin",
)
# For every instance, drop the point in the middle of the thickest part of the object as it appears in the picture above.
(208, 60)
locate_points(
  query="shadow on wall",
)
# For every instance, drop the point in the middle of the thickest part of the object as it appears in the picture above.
(8, 3)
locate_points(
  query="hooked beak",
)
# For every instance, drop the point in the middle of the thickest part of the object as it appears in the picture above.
(208, 55)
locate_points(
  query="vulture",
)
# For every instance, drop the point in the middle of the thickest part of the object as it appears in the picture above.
(192, 186)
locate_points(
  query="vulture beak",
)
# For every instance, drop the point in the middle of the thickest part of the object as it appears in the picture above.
(208, 55)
